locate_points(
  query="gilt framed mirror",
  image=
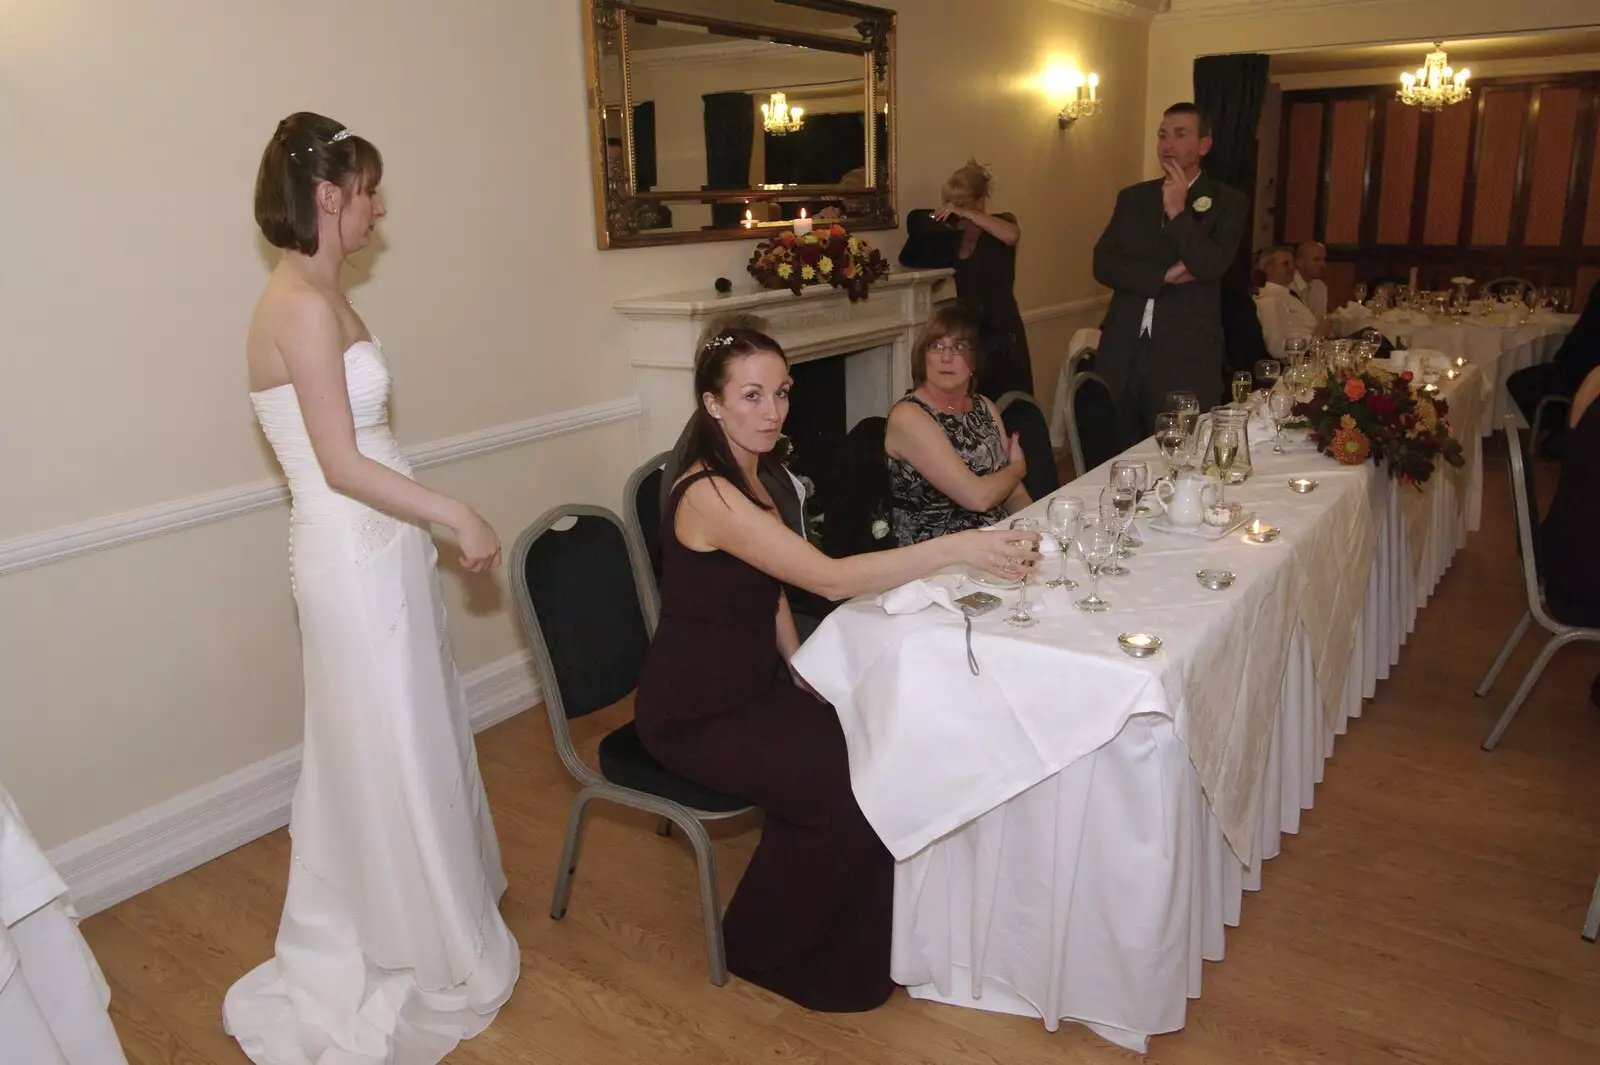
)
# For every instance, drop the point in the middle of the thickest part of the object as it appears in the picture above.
(723, 119)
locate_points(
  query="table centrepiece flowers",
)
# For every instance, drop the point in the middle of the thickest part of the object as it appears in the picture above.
(1380, 415)
(828, 255)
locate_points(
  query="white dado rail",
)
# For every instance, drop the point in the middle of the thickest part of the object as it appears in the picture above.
(876, 333)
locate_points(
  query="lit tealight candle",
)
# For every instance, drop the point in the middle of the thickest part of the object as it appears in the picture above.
(1460, 362)
(749, 220)
(1451, 373)
(802, 225)
(1260, 532)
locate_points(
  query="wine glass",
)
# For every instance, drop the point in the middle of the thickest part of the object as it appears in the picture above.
(1061, 516)
(1243, 384)
(1134, 475)
(1170, 440)
(1224, 446)
(1280, 405)
(1020, 616)
(1097, 539)
(1268, 370)
(1119, 501)
(1187, 404)
(1359, 293)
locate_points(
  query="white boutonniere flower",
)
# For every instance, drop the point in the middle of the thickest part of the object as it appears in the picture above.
(880, 529)
(1202, 204)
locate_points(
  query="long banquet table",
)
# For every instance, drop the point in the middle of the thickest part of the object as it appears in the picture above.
(1074, 828)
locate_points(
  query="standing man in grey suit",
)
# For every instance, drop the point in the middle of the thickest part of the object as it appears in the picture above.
(1163, 256)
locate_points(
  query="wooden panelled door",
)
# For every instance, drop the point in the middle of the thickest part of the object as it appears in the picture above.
(1499, 185)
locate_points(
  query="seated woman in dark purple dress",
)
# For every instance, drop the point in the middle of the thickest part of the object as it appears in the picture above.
(718, 703)
(1571, 562)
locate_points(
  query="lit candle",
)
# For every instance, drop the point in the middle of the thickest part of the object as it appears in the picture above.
(749, 220)
(1260, 532)
(1094, 83)
(802, 225)
(1460, 362)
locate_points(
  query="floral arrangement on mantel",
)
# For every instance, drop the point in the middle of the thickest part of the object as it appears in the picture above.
(1379, 415)
(827, 255)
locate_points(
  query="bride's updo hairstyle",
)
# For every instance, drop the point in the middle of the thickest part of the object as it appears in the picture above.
(306, 149)
(720, 346)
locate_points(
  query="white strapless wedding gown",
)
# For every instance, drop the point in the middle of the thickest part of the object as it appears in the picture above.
(391, 947)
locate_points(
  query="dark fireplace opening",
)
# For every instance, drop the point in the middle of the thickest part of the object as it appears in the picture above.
(816, 422)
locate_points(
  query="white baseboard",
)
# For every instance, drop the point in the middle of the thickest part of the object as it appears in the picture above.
(136, 853)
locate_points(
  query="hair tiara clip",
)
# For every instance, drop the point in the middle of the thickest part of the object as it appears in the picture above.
(341, 135)
(722, 340)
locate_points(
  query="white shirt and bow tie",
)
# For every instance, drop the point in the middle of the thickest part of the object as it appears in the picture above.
(1283, 315)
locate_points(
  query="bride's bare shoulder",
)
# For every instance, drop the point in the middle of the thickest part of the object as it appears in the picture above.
(289, 315)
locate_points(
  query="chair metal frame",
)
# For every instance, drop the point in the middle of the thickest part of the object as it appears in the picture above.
(594, 785)
(1560, 635)
(1547, 403)
(633, 529)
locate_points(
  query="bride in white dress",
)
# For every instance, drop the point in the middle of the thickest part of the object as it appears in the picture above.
(391, 947)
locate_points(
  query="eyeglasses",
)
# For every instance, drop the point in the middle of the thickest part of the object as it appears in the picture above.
(951, 347)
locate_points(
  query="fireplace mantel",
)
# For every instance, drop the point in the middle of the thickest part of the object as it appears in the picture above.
(819, 323)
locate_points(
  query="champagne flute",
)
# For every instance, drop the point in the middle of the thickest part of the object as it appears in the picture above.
(1097, 539)
(1118, 502)
(1224, 446)
(1061, 515)
(1020, 616)
(1243, 385)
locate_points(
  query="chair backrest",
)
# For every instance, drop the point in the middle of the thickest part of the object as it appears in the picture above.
(1022, 415)
(1093, 429)
(1524, 506)
(858, 492)
(579, 596)
(641, 508)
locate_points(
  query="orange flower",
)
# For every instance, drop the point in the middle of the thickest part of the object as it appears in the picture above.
(836, 231)
(1354, 388)
(1351, 447)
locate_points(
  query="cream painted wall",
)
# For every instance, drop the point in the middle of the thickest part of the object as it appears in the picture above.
(132, 133)
(1213, 27)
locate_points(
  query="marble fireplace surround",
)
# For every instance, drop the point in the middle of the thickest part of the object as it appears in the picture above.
(875, 335)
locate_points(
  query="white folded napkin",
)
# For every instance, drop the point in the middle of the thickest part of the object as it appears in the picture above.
(919, 594)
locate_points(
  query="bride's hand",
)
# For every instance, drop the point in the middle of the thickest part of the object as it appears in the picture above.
(480, 547)
(994, 551)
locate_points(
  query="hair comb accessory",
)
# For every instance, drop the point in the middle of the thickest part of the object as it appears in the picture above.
(721, 340)
(341, 135)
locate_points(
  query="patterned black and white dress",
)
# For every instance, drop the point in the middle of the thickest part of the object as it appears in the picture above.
(919, 510)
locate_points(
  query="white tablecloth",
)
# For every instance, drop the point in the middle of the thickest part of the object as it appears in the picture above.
(1495, 344)
(53, 997)
(1074, 827)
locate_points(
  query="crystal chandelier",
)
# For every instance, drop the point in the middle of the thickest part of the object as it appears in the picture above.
(777, 117)
(1434, 86)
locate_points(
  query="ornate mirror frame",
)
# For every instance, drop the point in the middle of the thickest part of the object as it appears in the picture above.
(618, 207)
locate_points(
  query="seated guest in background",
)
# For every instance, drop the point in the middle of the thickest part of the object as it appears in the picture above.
(951, 466)
(1283, 314)
(1568, 530)
(986, 268)
(719, 704)
(1579, 353)
(1310, 266)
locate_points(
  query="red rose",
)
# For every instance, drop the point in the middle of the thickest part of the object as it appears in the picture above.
(1380, 404)
(1406, 377)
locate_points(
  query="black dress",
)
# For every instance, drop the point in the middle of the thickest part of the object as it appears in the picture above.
(986, 279)
(1571, 561)
(812, 917)
(918, 510)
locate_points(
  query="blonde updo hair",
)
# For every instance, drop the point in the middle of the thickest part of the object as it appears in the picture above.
(967, 185)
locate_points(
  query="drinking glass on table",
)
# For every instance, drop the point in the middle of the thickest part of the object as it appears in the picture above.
(1224, 447)
(1020, 616)
(1061, 517)
(1097, 540)
(1171, 441)
(1243, 384)
(1359, 292)
(1119, 502)
(1187, 405)
(1280, 406)
(1135, 475)
(1268, 371)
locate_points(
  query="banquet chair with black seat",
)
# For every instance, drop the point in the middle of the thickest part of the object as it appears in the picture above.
(1524, 508)
(1091, 423)
(579, 591)
(858, 494)
(641, 512)
(1022, 415)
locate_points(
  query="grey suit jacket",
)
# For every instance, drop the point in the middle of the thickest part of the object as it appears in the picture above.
(1132, 257)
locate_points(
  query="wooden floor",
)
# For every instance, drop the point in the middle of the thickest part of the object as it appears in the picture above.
(1428, 911)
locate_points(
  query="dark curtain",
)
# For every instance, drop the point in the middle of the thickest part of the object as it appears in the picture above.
(730, 134)
(1229, 90)
(824, 150)
(644, 146)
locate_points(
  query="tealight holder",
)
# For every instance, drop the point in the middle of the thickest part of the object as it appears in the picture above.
(1261, 533)
(1215, 579)
(1303, 485)
(1139, 644)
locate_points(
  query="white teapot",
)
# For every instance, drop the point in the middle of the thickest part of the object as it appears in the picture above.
(1185, 497)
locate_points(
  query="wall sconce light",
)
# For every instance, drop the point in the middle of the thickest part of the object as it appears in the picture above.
(1085, 99)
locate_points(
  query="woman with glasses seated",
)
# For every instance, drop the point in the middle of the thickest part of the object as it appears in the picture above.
(951, 466)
